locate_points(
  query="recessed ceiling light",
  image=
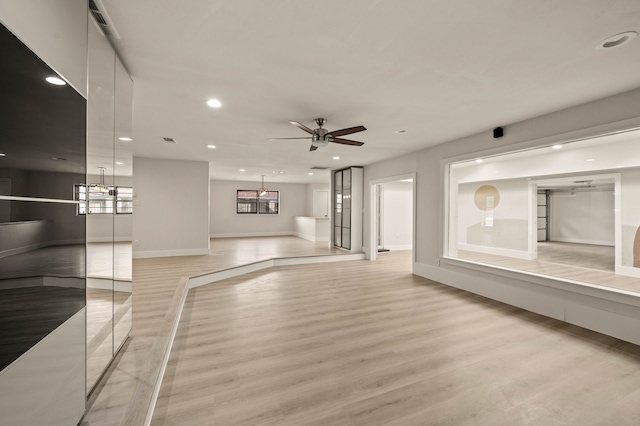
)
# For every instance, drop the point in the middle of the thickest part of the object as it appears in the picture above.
(557, 147)
(211, 146)
(58, 158)
(119, 163)
(617, 40)
(336, 158)
(214, 103)
(478, 160)
(125, 139)
(56, 81)
(401, 131)
(310, 173)
(591, 159)
(2, 154)
(242, 170)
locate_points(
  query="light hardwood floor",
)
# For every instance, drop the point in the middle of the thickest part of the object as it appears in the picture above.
(578, 262)
(368, 343)
(154, 283)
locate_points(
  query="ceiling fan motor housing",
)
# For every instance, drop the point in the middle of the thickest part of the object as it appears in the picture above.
(320, 138)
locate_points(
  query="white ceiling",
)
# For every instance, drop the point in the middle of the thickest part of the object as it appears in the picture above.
(439, 70)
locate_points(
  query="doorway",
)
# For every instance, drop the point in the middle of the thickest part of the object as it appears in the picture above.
(576, 221)
(392, 227)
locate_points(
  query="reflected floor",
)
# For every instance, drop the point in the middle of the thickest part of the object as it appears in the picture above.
(578, 262)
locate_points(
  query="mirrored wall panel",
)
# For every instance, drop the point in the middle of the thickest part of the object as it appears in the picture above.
(42, 122)
(107, 201)
(42, 272)
(42, 234)
(122, 218)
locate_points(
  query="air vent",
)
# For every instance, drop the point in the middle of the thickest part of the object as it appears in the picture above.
(319, 168)
(102, 19)
(169, 140)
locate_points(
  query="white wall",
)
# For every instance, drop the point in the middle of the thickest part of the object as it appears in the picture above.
(310, 188)
(56, 30)
(397, 214)
(226, 223)
(170, 208)
(584, 217)
(601, 116)
(503, 230)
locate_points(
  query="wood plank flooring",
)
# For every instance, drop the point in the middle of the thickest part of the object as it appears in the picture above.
(578, 262)
(154, 282)
(368, 343)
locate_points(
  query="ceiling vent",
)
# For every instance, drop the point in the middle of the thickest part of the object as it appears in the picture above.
(169, 140)
(319, 168)
(102, 19)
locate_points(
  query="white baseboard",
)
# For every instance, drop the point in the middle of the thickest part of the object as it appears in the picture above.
(628, 271)
(399, 247)
(109, 239)
(269, 263)
(311, 237)
(250, 234)
(169, 253)
(518, 254)
(580, 241)
(24, 249)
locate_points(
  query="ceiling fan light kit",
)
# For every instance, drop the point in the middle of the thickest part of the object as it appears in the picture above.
(321, 137)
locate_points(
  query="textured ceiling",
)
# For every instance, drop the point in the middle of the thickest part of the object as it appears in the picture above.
(439, 70)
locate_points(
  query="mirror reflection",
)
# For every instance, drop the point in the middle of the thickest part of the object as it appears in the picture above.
(107, 201)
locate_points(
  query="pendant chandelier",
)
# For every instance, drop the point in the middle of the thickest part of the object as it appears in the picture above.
(262, 191)
(100, 187)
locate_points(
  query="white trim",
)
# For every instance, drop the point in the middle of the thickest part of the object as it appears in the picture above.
(109, 284)
(579, 241)
(399, 247)
(23, 249)
(311, 237)
(518, 254)
(372, 251)
(110, 240)
(42, 200)
(615, 127)
(169, 253)
(628, 271)
(214, 277)
(251, 234)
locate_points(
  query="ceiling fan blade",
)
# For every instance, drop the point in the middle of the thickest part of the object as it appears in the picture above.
(348, 131)
(313, 148)
(347, 142)
(277, 139)
(302, 127)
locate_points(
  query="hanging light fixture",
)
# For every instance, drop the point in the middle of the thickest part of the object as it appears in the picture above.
(262, 191)
(100, 187)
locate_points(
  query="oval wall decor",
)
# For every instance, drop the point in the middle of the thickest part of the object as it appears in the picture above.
(486, 197)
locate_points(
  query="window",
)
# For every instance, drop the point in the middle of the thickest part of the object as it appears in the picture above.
(573, 204)
(251, 202)
(101, 199)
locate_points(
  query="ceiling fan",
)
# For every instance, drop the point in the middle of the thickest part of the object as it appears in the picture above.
(321, 137)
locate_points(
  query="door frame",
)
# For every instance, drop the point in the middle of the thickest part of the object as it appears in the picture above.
(373, 214)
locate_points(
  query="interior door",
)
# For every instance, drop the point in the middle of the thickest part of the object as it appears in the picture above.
(320, 203)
